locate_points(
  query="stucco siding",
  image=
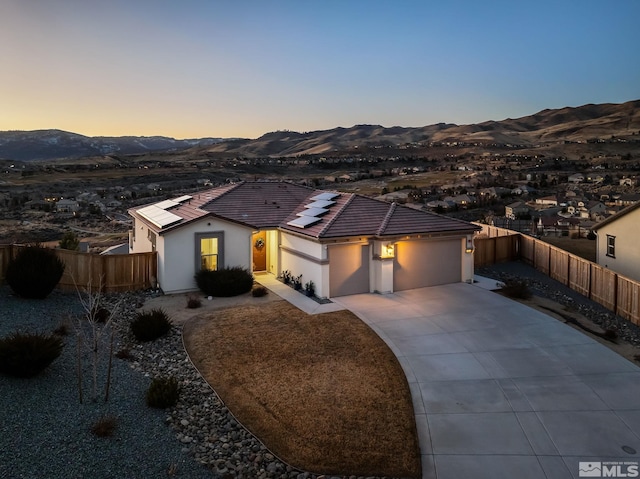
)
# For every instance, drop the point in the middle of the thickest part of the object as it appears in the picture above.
(179, 252)
(141, 242)
(626, 231)
(310, 270)
(311, 248)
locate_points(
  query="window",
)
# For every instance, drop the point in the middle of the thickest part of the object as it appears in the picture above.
(209, 249)
(209, 253)
(611, 246)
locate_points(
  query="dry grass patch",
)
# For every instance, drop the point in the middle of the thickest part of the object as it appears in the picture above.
(323, 392)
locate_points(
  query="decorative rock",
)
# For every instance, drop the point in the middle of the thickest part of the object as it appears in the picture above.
(206, 428)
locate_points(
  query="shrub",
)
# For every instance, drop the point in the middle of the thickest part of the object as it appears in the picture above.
(70, 241)
(224, 282)
(25, 355)
(62, 329)
(34, 272)
(516, 289)
(150, 325)
(193, 302)
(125, 354)
(286, 276)
(259, 291)
(105, 426)
(163, 393)
(310, 288)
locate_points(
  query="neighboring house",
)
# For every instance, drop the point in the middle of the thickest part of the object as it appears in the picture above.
(576, 178)
(547, 200)
(626, 200)
(559, 226)
(343, 242)
(628, 182)
(523, 190)
(516, 210)
(617, 242)
(67, 206)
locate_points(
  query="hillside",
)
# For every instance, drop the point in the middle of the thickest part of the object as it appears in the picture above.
(588, 123)
(54, 144)
(581, 124)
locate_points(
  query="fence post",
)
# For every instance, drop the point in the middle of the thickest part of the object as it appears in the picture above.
(615, 293)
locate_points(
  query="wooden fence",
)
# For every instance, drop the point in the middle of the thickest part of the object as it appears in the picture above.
(118, 272)
(608, 288)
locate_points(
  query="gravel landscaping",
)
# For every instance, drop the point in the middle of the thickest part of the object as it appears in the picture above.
(47, 431)
(542, 285)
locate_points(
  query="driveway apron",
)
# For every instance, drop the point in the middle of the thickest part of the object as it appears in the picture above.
(501, 390)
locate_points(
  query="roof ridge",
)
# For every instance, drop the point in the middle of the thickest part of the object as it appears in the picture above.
(332, 220)
(387, 218)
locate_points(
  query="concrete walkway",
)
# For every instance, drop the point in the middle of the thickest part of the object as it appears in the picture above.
(298, 299)
(501, 390)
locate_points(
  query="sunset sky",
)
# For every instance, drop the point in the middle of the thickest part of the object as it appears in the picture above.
(200, 68)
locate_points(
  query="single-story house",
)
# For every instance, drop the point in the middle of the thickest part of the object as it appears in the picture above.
(547, 200)
(67, 206)
(617, 242)
(345, 243)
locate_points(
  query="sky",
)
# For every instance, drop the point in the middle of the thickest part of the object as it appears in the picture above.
(240, 68)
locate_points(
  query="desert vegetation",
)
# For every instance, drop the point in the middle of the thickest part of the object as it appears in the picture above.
(34, 272)
(150, 325)
(224, 282)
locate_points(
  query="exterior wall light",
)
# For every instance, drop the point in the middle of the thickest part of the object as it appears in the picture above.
(388, 250)
(469, 247)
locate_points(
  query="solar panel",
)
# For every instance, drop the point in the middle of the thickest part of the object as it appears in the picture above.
(166, 204)
(325, 196)
(158, 216)
(320, 204)
(304, 221)
(313, 212)
(182, 199)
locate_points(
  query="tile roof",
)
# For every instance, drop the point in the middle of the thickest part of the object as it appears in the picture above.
(259, 204)
(274, 204)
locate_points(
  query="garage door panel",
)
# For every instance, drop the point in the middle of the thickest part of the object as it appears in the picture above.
(426, 263)
(348, 270)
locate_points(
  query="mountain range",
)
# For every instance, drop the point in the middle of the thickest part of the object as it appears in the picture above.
(571, 124)
(55, 144)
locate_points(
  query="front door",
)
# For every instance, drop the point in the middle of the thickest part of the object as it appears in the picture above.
(259, 240)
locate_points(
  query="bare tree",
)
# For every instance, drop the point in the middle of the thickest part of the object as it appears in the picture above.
(93, 328)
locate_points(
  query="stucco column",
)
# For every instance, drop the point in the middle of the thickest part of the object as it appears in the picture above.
(467, 259)
(382, 266)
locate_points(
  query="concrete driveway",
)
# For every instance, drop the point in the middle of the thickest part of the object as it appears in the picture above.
(501, 390)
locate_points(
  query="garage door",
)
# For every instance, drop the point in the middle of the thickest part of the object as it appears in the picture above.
(426, 263)
(348, 269)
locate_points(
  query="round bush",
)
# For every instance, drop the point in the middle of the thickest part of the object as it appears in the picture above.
(224, 282)
(26, 355)
(150, 325)
(34, 272)
(163, 393)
